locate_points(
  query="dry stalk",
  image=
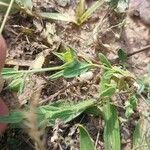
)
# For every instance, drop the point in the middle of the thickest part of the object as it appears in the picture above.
(31, 123)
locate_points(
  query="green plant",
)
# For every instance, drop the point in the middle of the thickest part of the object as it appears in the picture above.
(113, 80)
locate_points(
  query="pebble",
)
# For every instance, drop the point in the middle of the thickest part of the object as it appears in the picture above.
(87, 75)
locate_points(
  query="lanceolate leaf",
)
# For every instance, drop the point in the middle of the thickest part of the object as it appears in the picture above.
(111, 130)
(86, 142)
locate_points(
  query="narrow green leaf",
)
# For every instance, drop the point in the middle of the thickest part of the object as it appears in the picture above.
(104, 60)
(90, 10)
(86, 142)
(57, 16)
(111, 129)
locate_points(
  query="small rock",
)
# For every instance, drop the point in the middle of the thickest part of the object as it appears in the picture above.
(87, 75)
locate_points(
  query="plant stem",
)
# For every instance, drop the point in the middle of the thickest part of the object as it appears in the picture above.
(35, 70)
(6, 16)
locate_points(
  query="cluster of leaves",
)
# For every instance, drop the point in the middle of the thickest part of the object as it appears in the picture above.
(113, 80)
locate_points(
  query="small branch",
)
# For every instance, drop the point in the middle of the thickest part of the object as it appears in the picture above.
(139, 51)
(6, 16)
(146, 48)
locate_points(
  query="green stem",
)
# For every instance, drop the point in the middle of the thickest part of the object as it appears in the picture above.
(6, 16)
(49, 69)
(35, 70)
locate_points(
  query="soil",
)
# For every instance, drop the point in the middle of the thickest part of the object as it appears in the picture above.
(105, 31)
